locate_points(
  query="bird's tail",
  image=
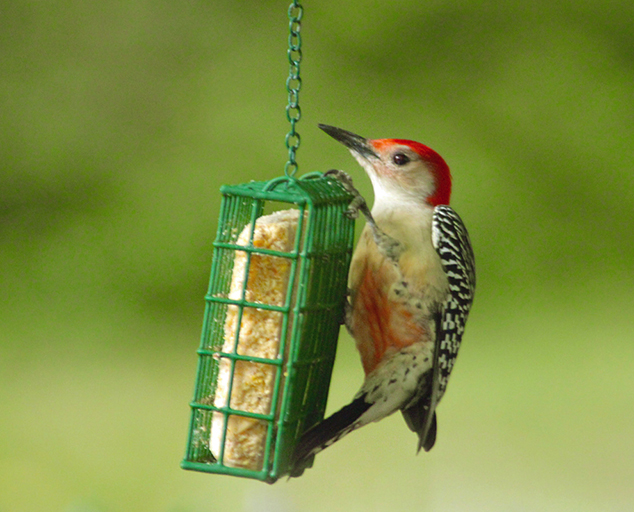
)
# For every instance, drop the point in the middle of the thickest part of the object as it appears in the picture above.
(327, 432)
(420, 420)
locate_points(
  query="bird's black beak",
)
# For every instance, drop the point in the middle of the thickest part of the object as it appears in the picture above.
(354, 142)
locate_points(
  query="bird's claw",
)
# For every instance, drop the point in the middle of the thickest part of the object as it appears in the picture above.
(358, 202)
(353, 208)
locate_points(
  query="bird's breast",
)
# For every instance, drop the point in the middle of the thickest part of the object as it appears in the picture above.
(390, 301)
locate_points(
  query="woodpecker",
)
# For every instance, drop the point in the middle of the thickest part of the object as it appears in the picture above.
(411, 285)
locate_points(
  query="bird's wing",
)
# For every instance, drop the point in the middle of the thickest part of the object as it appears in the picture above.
(451, 241)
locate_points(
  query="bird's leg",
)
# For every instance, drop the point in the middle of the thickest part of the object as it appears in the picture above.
(388, 246)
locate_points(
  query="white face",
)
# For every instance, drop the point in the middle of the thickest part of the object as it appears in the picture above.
(399, 176)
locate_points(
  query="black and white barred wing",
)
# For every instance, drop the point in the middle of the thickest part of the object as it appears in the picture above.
(452, 244)
(451, 241)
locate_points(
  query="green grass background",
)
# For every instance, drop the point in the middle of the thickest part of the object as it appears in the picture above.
(120, 121)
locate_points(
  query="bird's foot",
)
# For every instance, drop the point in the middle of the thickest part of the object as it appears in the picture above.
(389, 247)
(358, 203)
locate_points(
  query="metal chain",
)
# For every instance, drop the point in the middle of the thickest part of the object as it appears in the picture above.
(293, 85)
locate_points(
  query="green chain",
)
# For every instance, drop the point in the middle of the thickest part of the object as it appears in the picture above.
(293, 85)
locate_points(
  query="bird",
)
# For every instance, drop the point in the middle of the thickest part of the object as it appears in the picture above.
(411, 284)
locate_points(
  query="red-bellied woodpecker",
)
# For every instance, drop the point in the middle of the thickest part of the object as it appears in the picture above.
(412, 281)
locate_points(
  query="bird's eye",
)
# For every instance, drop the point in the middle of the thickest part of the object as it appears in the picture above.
(400, 159)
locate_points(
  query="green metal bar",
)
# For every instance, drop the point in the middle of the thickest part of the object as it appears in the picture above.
(312, 175)
(268, 252)
(233, 412)
(314, 360)
(321, 307)
(226, 470)
(256, 250)
(269, 462)
(240, 357)
(272, 195)
(272, 184)
(245, 303)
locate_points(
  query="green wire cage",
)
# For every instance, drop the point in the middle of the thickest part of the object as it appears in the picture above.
(273, 313)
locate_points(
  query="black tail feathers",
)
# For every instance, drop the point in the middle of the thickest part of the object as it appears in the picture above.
(325, 433)
(418, 420)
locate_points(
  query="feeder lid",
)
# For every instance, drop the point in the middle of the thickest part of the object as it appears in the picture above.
(312, 188)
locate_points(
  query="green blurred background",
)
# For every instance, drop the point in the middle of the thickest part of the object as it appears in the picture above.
(120, 121)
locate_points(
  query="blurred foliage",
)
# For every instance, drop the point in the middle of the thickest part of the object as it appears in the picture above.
(120, 120)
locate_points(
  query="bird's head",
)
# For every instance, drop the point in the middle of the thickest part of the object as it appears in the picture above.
(402, 171)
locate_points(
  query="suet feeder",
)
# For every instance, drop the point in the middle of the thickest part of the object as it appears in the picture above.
(272, 319)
